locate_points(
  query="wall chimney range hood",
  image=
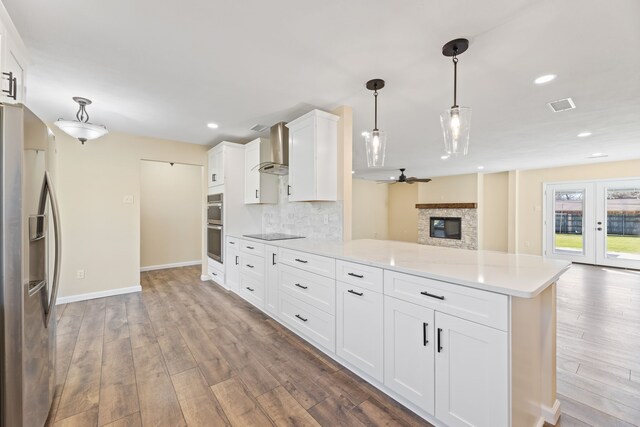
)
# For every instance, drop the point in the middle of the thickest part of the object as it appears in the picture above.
(274, 154)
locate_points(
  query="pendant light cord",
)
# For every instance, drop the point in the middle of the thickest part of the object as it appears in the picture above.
(455, 80)
(375, 97)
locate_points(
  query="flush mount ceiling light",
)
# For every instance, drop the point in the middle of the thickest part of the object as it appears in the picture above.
(212, 125)
(81, 128)
(375, 141)
(544, 79)
(456, 121)
(584, 134)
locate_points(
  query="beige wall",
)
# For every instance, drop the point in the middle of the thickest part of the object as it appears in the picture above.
(100, 233)
(494, 209)
(370, 209)
(530, 182)
(450, 189)
(170, 213)
(403, 215)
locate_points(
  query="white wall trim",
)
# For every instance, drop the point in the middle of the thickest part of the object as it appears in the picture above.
(205, 277)
(551, 415)
(100, 294)
(172, 265)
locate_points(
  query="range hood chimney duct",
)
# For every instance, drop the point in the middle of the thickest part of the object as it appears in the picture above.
(274, 154)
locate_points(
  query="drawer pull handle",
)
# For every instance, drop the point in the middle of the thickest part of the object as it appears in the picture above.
(248, 288)
(300, 286)
(359, 276)
(237, 257)
(232, 243)
(425, 340)
(441, 297)
(351, 291)
(439, 346)
(273, 258)
(215, 274)
(249, 265)
(250, 247)
(301, 318)
(301, 260)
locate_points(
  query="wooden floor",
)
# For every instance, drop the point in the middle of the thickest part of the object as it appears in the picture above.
(599, 347)
(185, 352)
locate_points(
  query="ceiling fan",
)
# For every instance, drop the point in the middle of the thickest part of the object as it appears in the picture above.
(403, 179)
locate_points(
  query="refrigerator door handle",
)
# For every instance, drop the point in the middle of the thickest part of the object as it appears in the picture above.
(47, 189)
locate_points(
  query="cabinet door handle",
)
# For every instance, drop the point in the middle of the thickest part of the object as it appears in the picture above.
(425, 340)
(300, 286)
(302, 261)
(232, 243)
(249, 265)
(273, 259)
(301, 318)
(256, 194)
(441, 297)
(215, 274)
(288, 190)
(213, 177)
(250, 289)
(13, 85)
(237, 259)
(439, 344)
(359, 276)
(351, 291)
(250, 247)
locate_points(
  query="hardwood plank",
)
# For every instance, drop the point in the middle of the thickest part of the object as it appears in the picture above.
(239, 407)
(284, 410)
(189, 384)
(132, 420)
(65, 344)
(335, 412)
(81, 389)
(609, 380)
(588, 414)
(177, 355)
(203, 410)
(118, 391)
(83, 419)
(373, 413)
(158, 401)
(115, 326)
(256, 378)
(199, 343)
(141, 334)
(342, 384)
(216, 370)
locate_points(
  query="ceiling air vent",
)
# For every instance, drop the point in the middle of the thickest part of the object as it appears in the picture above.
(259, 128)
(562, 105)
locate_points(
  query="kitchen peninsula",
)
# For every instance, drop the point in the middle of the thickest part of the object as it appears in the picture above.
(460, 337)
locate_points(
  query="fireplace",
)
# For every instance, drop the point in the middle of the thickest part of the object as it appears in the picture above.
(445, 227)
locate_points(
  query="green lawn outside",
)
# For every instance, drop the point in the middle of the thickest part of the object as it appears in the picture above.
(624, 244)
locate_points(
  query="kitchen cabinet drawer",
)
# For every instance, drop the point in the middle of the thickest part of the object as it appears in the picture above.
(360, 275)
(318, 291)
(483, 307)
(234, 241)
(252, 290)
(254, 248)
(252, 265)
(309, 262)
(317, 325)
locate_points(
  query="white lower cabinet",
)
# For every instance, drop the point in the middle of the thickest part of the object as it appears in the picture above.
(310, 321)
(409, 352)
(271, 280)
(359, 320)
(232, 267)
(472, 368)
(252, 289)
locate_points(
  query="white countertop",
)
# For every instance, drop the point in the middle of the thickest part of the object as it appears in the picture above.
(522, 276)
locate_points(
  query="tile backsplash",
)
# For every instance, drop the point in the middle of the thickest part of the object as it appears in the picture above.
(318, 220)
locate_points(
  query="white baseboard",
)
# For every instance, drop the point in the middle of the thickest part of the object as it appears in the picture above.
(205, 277)
(551, 415)
(100, 294)
(172, 265)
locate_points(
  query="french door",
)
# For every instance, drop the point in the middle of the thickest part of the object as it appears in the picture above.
(595, 222)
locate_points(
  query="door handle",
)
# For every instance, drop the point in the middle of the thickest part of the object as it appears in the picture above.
(256, 194)
(302, 261)
(425, 340)
(301, 318)
(250, 289)
(359, 276)
(273, 258)
(288, 190)
(237, 260)
(440, 297)
(213, 177)
(249, 265)
(13, 85)
(351, 291)
(47, 189)
(599, 228)
(439, 338)
(300, 286)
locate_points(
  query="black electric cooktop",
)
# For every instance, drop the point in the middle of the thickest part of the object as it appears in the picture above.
(273, 236)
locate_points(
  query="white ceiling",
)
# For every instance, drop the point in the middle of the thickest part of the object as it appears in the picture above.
(165, 68)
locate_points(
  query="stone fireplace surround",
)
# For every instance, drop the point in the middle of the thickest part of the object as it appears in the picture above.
(469, 224)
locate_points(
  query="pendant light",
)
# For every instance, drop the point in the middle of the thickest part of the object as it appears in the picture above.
(81, 128)
(376, 141)
(456, 121)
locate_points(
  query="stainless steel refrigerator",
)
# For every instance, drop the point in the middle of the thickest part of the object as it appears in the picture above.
(30, 268)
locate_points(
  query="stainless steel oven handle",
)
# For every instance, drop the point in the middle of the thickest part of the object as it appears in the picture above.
(47, 189)
(215, 227)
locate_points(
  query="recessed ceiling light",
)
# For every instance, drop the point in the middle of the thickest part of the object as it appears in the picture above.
(212, 125)
(480, 167)
(584, 134)
(352, 172)
(392, 177)
(445, 157)
(365, 133)
(597, 155)
(544, 79)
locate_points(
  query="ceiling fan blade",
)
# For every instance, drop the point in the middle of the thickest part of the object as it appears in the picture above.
(392, 181)
(414, 179)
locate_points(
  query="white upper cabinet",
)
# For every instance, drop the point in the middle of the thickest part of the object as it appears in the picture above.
(13, 62)
(216, 166)
(258, 187)
(313, 157)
